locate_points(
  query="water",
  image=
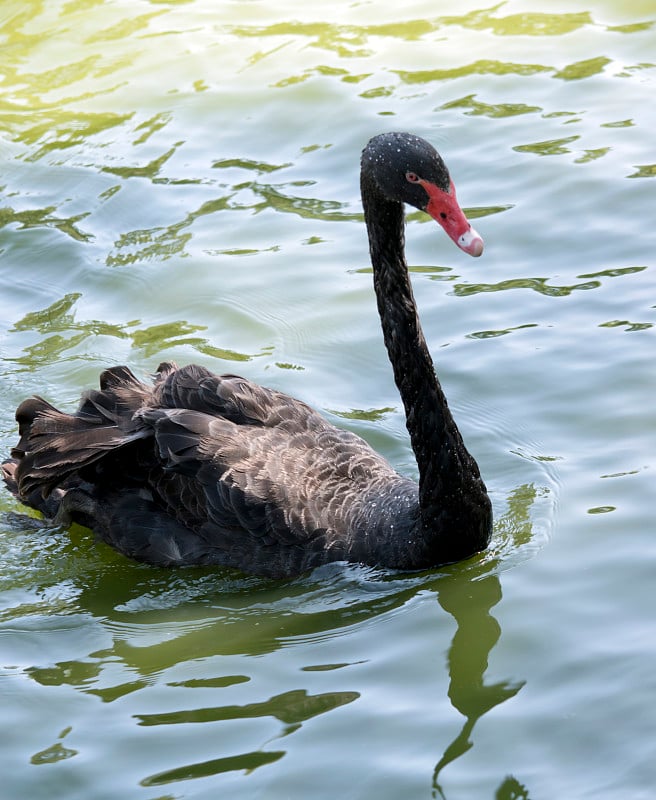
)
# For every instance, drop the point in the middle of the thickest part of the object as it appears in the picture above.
(180, 182)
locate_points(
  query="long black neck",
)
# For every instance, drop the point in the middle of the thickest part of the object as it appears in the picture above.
(450, 488)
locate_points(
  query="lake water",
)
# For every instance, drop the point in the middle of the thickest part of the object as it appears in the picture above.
(180, 181)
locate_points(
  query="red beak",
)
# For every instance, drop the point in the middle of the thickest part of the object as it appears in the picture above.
(444, 209)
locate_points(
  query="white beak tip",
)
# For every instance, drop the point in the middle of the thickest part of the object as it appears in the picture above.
(471, 243)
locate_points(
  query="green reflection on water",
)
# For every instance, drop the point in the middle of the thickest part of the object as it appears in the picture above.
(161, 242)
(477, 633)
(54, 753)
(616, 272)
(592, 155)
(539, 285)
(628, 326)
(514, 527)
(552, 147)
(307, 207)
(292, 708)
(501, 332)
(61, 332)
(284, 615)
(248, 163)
(644, 171)
(470, 603)
(524, 24)
(583, 69)
(123, 29)
(150, 170)
(60, 129)
(369, 415)
(246, 762)
(497, 110)
(45, 217)
(211, 683)
(151, 126)
(343, 40)
(622, 123)
(157, 338)
(634, 27)
(480, 67)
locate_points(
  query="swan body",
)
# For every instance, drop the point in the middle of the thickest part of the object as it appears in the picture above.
(198, 468)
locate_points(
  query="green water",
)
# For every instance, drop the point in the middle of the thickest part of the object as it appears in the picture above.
(179, 181)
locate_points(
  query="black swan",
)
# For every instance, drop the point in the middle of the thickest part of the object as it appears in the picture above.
(207, 469)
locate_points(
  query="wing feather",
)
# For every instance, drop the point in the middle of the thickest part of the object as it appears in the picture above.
(198, 468)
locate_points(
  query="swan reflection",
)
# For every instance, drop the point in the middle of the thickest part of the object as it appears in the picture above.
(469, 602)
(144, 631)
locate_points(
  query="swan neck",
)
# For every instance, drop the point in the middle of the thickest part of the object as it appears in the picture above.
(446, 469)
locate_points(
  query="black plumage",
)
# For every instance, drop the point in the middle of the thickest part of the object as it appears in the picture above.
(205, 469)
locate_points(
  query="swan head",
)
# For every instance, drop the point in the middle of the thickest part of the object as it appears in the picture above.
(407, 169)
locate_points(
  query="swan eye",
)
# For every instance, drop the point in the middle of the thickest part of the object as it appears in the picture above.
(412, 177)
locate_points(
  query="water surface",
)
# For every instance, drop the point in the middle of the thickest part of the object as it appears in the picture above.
(180, 182)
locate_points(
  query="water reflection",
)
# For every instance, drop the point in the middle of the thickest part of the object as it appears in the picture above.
(478, 632)
(273, 197)
(261, 167)
(644, 171)
(481, 67)
(589, 280)
(347, 40)
(583, 69)
(61, 130)
(524, 24)
(552, 147)
(45, 218)
(54, 753)
(592, 155)
(150, 126)
(578, 70)
(60, 332)
(540, 285)
(245, 762)
(161, 242)
(291, 708)
(469, 603)
(158, 620)
(103, 115)
(151, 170)
(474, 107)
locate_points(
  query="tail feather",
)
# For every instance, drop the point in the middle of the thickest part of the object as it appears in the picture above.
(54, 445)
